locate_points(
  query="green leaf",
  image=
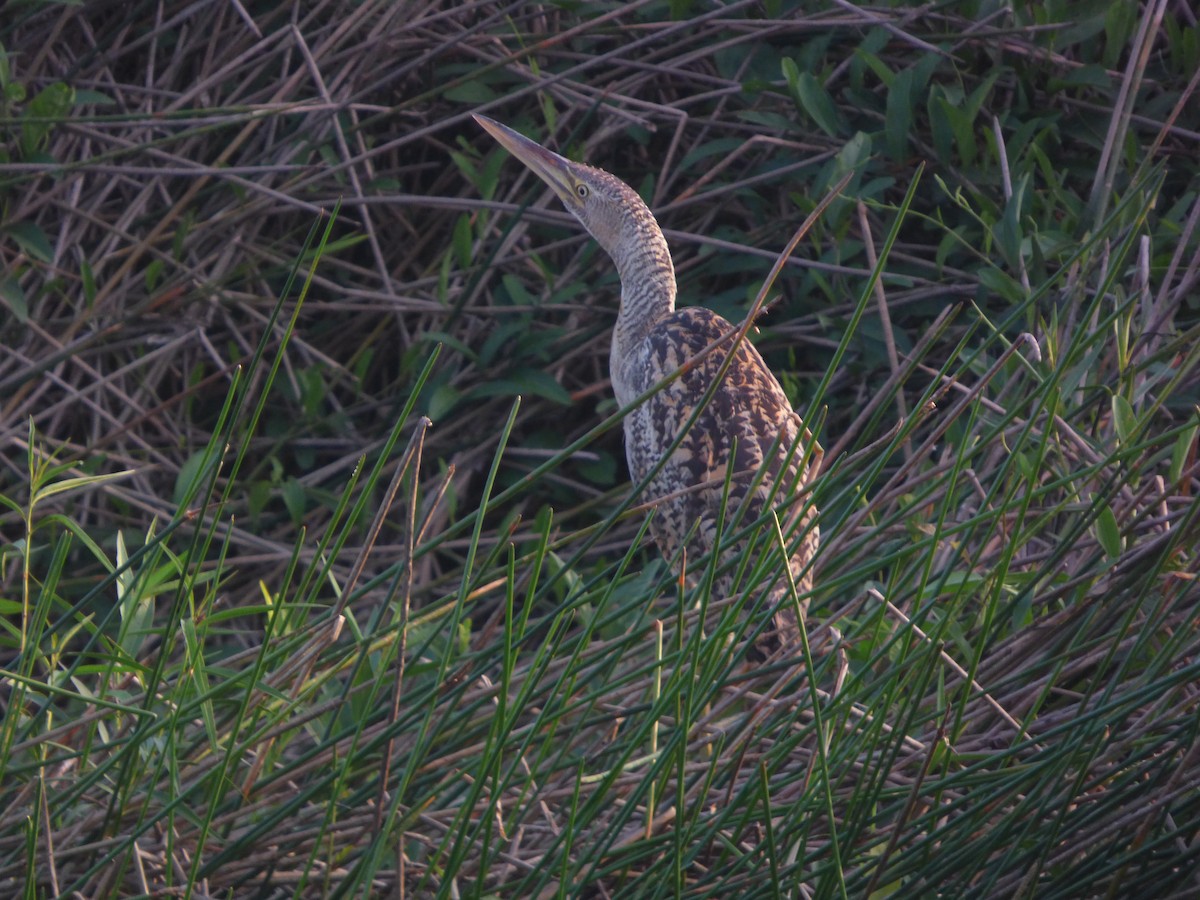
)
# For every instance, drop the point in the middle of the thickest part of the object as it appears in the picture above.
(1119, 21)
(1002, 284)
(84, 97)
(1092, 76)
(1181, 452)
(541, 384)
(876, 65)
(967, 143)
(334, 246)
(497, 349)
(523, 381)
(470, 171)
(32, 240)
(767, 119)
(182, 230)
(939, 125)
(517, 293)
(899, 117)
(470, 92)
(153, 275)
(194, 666)
(188, 473)
(1008, 231)
(442, 400)
(136, 606)
(294, 498)
(444, 337)
(854, 153)
(462, 241)
(13, 297)
(1108, 533)
(812, 98)
(258, 495)
(75, 482)
(87, 279)
(46, 110)
(950, 242)
(5, 68)
(82, 536)
(600, 470)
(961, 129)
(1124, 419)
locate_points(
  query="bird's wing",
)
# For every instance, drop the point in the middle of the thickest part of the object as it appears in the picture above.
(748, 426)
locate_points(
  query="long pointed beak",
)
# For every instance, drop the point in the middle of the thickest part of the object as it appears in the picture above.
(546, 165)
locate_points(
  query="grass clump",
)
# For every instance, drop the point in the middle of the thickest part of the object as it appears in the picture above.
(318, 575)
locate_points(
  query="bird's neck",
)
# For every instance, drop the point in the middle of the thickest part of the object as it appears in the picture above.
(647, 296)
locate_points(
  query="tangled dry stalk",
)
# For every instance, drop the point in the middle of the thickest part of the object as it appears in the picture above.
(405, 696)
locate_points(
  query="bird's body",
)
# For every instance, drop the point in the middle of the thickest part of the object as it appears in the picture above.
(746, 432)
(747, 450)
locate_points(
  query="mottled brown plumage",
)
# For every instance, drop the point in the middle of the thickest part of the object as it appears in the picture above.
(748, 431)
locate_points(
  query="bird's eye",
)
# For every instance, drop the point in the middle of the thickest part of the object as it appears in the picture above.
(581, 191)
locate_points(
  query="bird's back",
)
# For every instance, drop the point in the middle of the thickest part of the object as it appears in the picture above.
(748, 426)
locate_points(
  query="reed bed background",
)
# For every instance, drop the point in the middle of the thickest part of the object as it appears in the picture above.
(320, 571)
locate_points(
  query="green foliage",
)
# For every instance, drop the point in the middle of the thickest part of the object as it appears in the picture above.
(266, 628)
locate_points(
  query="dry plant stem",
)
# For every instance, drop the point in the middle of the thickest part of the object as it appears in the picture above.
(885, 319)
(1086, 451)
(177, 210)
(914, 797)
(347, 157)
(895, 381)
(655, 693)
(48, 832)
(870, 17)
(557, 217)
(972, 393)
(402, 650)
(692, 192)
(100, 384)
(297, 672)
(1006, 176)
(1168, 298)
(411, 452)
(901, 481)
(1021, 730)
(1102, 676)
(1107, 168)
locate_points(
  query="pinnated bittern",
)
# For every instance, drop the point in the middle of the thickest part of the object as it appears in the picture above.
(748, 431)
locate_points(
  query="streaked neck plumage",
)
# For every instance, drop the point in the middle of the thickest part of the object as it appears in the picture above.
(639, 250)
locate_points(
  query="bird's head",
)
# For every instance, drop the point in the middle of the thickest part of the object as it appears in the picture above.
(608, 208)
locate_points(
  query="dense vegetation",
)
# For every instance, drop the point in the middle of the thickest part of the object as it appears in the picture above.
(320, 571)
